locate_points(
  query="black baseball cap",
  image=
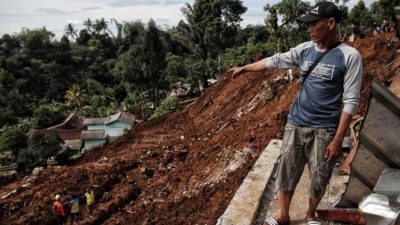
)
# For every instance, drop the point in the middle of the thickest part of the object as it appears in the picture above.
(319, 11)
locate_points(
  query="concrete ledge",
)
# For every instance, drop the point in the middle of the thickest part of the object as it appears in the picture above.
(243, 208)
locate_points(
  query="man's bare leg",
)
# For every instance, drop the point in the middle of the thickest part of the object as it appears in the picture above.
(312, 207)
(284, 198)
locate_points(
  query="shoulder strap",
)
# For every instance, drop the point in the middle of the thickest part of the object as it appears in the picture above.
(318, 60)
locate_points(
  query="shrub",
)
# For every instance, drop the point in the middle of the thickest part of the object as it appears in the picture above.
(48, 115)
(13, 139)
(167, 106)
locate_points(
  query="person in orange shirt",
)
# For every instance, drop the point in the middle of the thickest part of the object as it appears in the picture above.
(59, 210)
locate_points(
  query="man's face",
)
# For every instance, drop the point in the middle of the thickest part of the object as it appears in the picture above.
(320, 29)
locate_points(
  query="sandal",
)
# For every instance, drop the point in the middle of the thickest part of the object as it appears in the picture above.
(272, 221)
(313, 222)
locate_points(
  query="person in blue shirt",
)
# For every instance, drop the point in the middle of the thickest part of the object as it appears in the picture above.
(322, 110)
(74, 209)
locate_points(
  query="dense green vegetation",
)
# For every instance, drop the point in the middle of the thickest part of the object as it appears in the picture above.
(98, 72)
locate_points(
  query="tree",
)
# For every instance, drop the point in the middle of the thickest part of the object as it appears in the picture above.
(83, 37)
(76, 95)
(119, 26)
(13, 139)
(154, 59)
(132, 33)
(144, 63)
(88, 25)
(37, 43)
(245, 54)
(360, 14)
(128, 67)
(199, 34)
(12, 103)
(40, 148)
(288, 10)
(175, 70)
(70, 31)
(337, 2)
(101, 26)
(9, 45)
(167, 106)
(252, 33)
(47, 115)
(383, 9)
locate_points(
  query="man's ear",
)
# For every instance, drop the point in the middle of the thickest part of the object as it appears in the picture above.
(332, 23)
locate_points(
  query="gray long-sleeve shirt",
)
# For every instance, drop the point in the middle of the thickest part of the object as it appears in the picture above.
(335, 80)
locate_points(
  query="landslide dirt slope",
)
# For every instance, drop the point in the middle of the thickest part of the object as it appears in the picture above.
(184, 168)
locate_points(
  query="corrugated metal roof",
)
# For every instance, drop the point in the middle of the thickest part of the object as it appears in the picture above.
(120, 116)
(112, 118)
(128, 118)
(379, 145)
(93, 135)
(73, 121)
(93, 121)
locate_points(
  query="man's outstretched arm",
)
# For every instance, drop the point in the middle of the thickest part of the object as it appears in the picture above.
(253, 67)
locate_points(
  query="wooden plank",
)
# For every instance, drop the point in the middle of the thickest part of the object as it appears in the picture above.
(352, 215)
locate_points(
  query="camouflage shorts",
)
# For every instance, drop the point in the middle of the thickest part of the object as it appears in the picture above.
(303, 145)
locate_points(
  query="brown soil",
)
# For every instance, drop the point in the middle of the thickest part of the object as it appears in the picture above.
(181, 169)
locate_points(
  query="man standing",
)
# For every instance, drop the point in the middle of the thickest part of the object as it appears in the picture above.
(89, 201)
(74, 209)
(322, 111)
(59, 210)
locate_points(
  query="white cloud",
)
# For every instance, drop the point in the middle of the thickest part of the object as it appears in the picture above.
(53, 11)
(90, 8)
(75, 22)
(122, 3)
(56, 14)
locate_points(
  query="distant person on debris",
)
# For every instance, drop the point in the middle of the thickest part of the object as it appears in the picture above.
(377, 30)
(74, 209)
(386, 26)
(322, 111)
(58, 209)
(89, 201)
(354, 31)
(362, 31)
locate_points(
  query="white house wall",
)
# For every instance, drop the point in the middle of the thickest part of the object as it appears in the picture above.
(96, 127)
(93, 143)
(117, 128)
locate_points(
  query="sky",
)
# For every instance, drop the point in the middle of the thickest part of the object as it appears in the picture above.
(56, 14)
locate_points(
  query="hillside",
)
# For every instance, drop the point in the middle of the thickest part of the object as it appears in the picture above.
(183, 168)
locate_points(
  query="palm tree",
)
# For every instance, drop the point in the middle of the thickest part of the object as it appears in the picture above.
(88, 24)
(76, 95)
(118, 39)
(70, 31)
(187, 33)
(101, 25)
